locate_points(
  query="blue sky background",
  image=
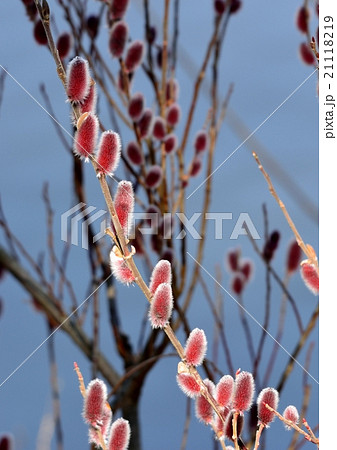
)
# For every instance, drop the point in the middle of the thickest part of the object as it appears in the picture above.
(260, 56)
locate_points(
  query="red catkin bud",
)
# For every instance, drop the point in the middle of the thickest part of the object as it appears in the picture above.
(235, 6)
(145, 123)
(293, 257)
(219, 6)
(246, 268)
(120, 269)
(195, 166)
(136, 106)
(232, 260)
(161, 306)
(171, 143)
(173, 114)
(94, 401)
(151, 34)
(124, 204)
(243, 391)
(94, 437)
(201, 141)
(109, 152)
(271, 397)
(154, 177)
(134, 153)
(224, 390)
(89, 103)
(78, 79)
(310, 276)
(195, 348)
(39, 33)
(188, 385)
(92, 26)
(118, 38)
(86, 135)
(229, 425)
(238, 284)
(306, 54)
(302, 19)
(63, 45)
(7, 441)
(168, 254)
(203, 410)
(118, 8)
(291, 413)
(159, 128)
(162, 273)
(134, 56)
(119, 435)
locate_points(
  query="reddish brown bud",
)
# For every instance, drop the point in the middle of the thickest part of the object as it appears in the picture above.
(162, 273)
(109, 152)
(293, 257)
(124, 204)
(120, 268)
(94, 401)
(291, 413)
(161, 306)
(238, 284)
(302, 19)
(271, 397)
(195, 348)
(145, 123)
(246, 268)
(78, 79)
(159, 128)
(39, 33)
(224, 390)
(86, 135)
(188, 385)
(118, 8)
(154, 177)
(92, 26)
(203, 410)
(118, 38)
(173, 114)
(168, 254)
(134, 55)
(6, 442)
(219, 6)
(243, 391)
(201, 141)
(271, 245)
(310, 277)
(232, 260)
(89, 103)
(134, 153)
(306, 54)
(119, 435)
(171, 143)
(64, 44)
(195, 166)
(235, 6)
(136, 106)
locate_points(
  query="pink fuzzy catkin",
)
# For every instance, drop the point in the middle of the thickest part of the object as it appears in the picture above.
(118, 8)
(94, 437)
(224, 390)
(291, 414)
(271, 397)
(118, 39)
(145, 123)
(63, 45)
(173, 114)
(244, 387)
(119, 435)
(136, 106)
(89, 103)
(78, 79)
(134, 153)
(310, 277)
(134, 56)
(154, 177)
(124, 204)
(188, 385)
(170, 143)
(195, 348)
(203, 410)
(86, 135)
(195, 166)
(201, 141)
(120, 269)
(109, 152)
(293, 257)
(162, 273)
(159, 128)
(161, 306)
(96, 396)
